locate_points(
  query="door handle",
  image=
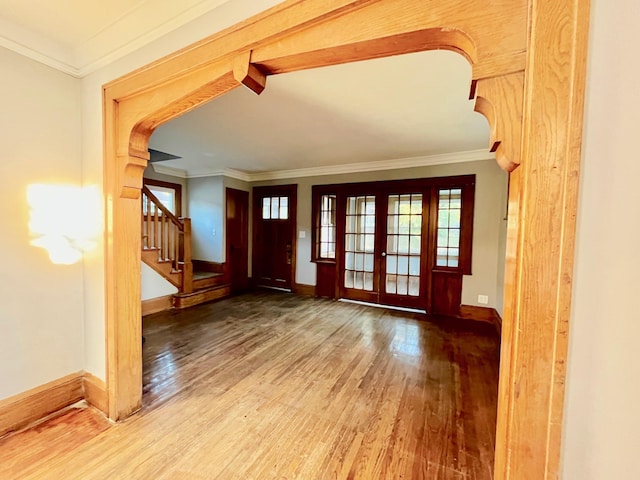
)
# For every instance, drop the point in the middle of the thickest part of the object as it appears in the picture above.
(384, 254)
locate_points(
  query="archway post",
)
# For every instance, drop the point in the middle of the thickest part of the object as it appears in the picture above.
(529, 80)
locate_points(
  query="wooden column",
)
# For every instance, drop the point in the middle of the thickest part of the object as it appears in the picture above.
(543, 203)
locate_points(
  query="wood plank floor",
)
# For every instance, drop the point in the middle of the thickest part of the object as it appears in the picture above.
(277, 386)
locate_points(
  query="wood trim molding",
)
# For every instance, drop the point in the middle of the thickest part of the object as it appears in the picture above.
(95, 391)
(303, 289)
(482, 314)
(158, 304)
(27, 407)
(547, 89)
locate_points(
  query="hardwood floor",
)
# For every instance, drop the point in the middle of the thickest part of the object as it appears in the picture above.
(277, 386)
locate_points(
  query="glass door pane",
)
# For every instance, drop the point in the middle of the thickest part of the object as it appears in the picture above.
(403, 245)
(360, 243)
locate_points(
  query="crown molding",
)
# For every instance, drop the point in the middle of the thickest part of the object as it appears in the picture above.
(395, 164)
(99, 51)
(174, 172)
(227, 172)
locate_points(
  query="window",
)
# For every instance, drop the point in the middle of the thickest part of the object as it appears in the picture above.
(326, 233)
(360, 242)
(275, 208)
(169, 195)
(454, 226)
(448, 245)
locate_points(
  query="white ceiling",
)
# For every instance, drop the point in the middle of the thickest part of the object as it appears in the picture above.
(402, 111)
(379, 110)
(79, 36)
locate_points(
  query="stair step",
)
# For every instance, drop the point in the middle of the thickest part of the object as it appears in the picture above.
(202, 295)
(207, 279)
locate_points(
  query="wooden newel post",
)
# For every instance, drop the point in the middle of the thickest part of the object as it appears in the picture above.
(187, 268)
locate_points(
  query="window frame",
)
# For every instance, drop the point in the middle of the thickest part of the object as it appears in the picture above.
(317, 192)
(466, 227)
(176, 187)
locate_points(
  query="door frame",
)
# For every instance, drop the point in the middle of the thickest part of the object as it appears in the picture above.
(528, 73)
(229, 268)
(290, 191)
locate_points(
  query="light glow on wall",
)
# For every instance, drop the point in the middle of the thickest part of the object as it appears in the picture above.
(65, 220)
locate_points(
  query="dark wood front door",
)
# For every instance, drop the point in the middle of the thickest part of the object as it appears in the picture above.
(274, 240)
(237, 237)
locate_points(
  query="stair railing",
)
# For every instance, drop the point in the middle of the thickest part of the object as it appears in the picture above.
(169, 235)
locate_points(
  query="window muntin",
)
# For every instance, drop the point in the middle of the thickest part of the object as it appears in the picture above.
(404, 244)
(449, 227)
(275, 208)
(326, 235)
(360, 242)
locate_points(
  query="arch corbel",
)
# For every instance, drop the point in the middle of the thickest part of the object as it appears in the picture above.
(500, 99)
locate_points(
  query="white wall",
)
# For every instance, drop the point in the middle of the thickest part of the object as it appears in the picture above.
(602, 421)
(41, 304)
(206, 208)
(154, 285)
(489, 226)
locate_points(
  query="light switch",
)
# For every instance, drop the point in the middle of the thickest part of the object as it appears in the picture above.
(302, 234)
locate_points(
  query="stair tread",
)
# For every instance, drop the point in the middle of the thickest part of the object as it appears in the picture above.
(202, 275)
(203, 290)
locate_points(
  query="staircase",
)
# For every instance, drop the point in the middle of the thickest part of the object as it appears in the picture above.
(166, 248)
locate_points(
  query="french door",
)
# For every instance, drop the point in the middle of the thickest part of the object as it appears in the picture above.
(385, 245)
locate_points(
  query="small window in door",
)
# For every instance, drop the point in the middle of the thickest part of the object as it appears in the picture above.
(275, 208)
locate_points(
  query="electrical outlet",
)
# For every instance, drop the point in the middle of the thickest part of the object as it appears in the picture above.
(483, 299)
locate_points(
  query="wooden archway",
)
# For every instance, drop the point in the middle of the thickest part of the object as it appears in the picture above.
(528, 61)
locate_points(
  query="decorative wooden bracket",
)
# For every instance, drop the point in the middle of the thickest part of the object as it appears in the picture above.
(248, 74)
(132, 165)
(500, 99)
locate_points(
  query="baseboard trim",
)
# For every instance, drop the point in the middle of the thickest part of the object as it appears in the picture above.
(95, 392)
(482, 314)
(158, 304)
(27, 407)
(302, 289)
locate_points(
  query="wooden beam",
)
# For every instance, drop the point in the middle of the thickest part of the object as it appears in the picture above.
(248, 74)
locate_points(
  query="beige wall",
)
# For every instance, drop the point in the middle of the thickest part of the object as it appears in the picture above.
(602, 420)
(489, 226)
(41, 304)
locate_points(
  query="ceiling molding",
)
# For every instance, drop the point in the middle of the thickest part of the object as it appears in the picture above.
(39, 56)
(94, 55)
(400, 163)
(108, 45)
(164, 170)
(459, 157)
(227, 172)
